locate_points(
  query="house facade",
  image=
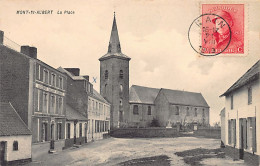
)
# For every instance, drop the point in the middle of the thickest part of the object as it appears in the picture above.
(15, 137)
(36, 90)
(242, 117)
(167, 106)
(98, 117)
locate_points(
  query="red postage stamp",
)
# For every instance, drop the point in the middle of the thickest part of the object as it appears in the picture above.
(222, 29)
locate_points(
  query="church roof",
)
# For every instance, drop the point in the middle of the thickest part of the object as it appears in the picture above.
(249, 76)
(10, 122)
(184, 98)
(141, 94)
(114, 47)
(146, 95)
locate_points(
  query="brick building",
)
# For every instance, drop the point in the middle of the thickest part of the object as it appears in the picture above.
(36, 90)
(242, 117)
(89, 112)
(167, 106)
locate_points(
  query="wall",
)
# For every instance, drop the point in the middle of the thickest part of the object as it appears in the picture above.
(14, 76)
(24, 147)
(145, 132)
(162, 109)
(77, 96)
(142, 119)
(112, 93)
(241, 109)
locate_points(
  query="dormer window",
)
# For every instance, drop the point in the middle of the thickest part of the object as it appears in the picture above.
(106, 74)
(121, 74)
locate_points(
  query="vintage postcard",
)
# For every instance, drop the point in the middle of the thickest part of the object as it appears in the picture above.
(134, 82)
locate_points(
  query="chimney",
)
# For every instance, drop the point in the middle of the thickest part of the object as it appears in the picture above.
(30, 51)
(86, 77)
(74, 71)
(1, 37)
(33, 52)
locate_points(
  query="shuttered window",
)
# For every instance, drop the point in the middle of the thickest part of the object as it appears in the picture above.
(229, 132)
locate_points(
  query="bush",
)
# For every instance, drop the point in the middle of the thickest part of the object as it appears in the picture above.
(155, 123)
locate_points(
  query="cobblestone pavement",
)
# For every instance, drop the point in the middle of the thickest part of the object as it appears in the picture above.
(136, 151)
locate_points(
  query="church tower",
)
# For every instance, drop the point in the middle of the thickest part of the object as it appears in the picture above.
(114, 80)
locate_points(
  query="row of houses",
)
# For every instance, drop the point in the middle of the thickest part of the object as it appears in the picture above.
(240, 119)
(57, 105)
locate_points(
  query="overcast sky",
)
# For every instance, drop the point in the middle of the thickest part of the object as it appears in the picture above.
(153, 33)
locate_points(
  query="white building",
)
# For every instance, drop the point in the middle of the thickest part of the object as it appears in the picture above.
(242, 117)
(98, 117)
(15, 137)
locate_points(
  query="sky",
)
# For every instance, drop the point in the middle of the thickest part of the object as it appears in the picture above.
(153, 33)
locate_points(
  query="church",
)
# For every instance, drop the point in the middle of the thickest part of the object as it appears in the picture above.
(139, 106)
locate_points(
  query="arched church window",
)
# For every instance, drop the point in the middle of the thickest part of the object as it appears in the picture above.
(121, 88)
(121, 74)
(106, 74)
(106, 89)
(187, 113)
(195, 112)
(177, 110)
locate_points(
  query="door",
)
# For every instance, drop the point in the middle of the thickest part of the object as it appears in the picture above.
(2, 152)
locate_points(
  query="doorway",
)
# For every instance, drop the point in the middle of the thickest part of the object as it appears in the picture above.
(243, 136)
(2, 152)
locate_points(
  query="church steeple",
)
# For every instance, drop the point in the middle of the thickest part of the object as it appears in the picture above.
(114, 43)
(114, 47)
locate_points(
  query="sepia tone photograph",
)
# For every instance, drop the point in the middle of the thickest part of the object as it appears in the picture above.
(129, 83)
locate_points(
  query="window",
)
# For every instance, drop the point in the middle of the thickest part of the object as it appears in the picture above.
(121, 74)
(121, 88)
(53, 79)
(249, 95)
(135, 110)
(187, 112)
(121, 102)
(232, 102)
(39, 72)
(38, 104)
(80, 129)
(203, 112)
(195, 113)
(15, 146)
(52, 101)
(68, 131)
(149, 110)
(106, 74)
(58, 131)
(45, 99)
(45, 76)
(177, 110)
(106, 90)
(60, 82)
(60, 103)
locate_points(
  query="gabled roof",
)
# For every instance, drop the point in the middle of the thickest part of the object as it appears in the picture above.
(72, 76)
(72, 114)
(251, 75)
(114, 47)
(141, 94)
(10, 122)
(97, 96)
(184, 98)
